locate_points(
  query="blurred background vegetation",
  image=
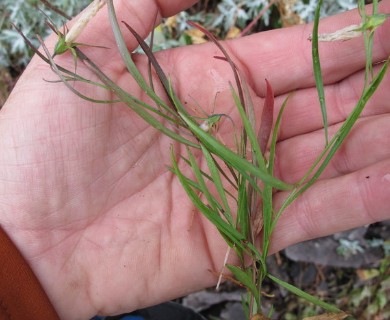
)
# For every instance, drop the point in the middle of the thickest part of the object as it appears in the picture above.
(355, 273)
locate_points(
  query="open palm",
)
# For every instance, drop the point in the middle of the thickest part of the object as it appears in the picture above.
(86, 194)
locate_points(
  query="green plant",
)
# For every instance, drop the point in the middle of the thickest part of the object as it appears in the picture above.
(240, 179)
(348, 248)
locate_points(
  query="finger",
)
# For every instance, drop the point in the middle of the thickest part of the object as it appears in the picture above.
(367, 144)
(284, 56)
(335, 205)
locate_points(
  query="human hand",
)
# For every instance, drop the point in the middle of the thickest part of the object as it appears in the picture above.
(85, 193)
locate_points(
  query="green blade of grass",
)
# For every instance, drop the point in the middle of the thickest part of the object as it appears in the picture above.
(214, 172)
(250, 111)
(249, 131)
(208, 177)
(268, 215)
(151, 46)
(240, 164)
(127, 59)
(81, 79)
(58, 68)
(349, 123)
(64, 80)
(193, 184)
(268, 212)
(375, 7)
(304, 295)
(267, 118)
(214, 204)
(233, 237)
(274, 139)
(369, 24)
(232, 181)
(335, 143)
(243, 215)
(368, 44)
(317, 70)
(229, 232)
(108, 85)
(246, 280)
(153, 61)
(197, 186)
(136, 105)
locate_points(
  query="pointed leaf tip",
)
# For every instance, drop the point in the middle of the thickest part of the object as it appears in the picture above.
(267, 118)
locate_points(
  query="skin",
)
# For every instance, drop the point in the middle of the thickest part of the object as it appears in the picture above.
(107, 229)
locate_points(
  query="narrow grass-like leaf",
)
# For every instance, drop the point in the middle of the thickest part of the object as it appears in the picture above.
(369, 25)
(208, 177)
(232, 236)
(127, 59)
(335, 143)
(226, 176)
(218, 184)
(60, 71)
(59, 74)
(249, 215)
(152, 60)
(245, 301)
(80, 79)
(178, 105)
(349, 122)
(197, 186)
(267, 119)
(246, 280)
(249, 131)
(267, 205)
(135, 104)
(375, 7)
(240, 164)
(317, 70)
(243, 214)
(223, 227)
(192, 183)
(274, 139)
(150, 75)
(268, 215)
(304, 295)
(368, 45)
(245, 99)
(43, 57)
(353, 117)
(214, 204)
(250, 111)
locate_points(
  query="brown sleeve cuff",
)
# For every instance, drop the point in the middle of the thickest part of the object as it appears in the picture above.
(21, 294)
